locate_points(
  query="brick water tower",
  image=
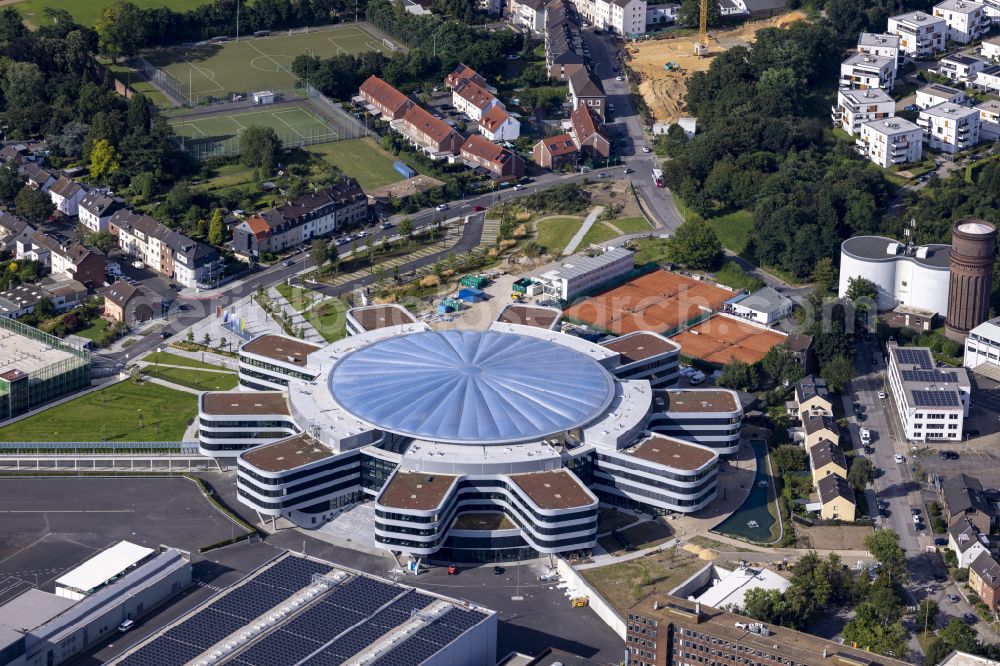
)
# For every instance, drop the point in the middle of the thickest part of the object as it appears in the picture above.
(973, 251)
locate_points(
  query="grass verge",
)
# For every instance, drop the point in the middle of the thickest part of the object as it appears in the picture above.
(175, 359)
(362, 159)
(555, 233)
(196, 379)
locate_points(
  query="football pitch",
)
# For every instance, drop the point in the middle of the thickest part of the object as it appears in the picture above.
(218, 70)
(293, 123)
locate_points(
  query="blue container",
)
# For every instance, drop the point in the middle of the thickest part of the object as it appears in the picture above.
(403, 170)
(471, 295)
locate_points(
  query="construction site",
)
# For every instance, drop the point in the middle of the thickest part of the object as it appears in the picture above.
(665, 65)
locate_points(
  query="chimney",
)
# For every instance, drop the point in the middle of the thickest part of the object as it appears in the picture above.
(697, 608)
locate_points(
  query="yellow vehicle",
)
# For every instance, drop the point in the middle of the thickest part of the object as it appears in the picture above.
(580, 602)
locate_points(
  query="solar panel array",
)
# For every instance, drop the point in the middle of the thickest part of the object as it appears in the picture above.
(929, 376)
(340, 609)
(228, 614)
(363, 636)
(432, 638)
(936, 399)
(918, 357)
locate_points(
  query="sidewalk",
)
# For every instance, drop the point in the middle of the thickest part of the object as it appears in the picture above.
(578, 237)
(309, 334)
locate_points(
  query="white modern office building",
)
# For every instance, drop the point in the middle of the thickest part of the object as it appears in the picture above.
(982, 348)
(864, 71)
(949, 127)
(478, 445)
(856, 107)
(920, 34)
(931, 402)
(916, 276)
(966, 20)
(890, 141)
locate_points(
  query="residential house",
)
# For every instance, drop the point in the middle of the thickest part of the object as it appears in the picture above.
(37, 176)
(966, 20)
(984, 579)
(588, 133)
(461, 75)
(826, 458)
(144, 238)
(812, 396)
(64, 293)
(732, 8)
(251, 238)
(961, 68)
(950, 128)
(881, 44)
(562, 38)
(586, 90)
(863, 71)
(195, 264)
(661, 15)
(127, 304)
(497, 162)
(622, 17)
(964, 499)
(498, 125)
(66, 195)
(555, 151)
(989, 120)
(78, 262)
(967, 542)
(990, 48)
(96, 209)
(988, 79)
(473, 100)
(528, 14)
(920, 34)
(891, 141)
(761, 8)
(836, 498)
(14, 228)
(936, 93)
(433, 136)
(817, 427)
(855, 107)
(765, 306)
(803, 348)
(14, 154)
(384, 99)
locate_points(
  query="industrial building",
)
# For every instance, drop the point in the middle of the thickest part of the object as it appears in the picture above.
(520, 421)
(916, 276)
(125, 582)
(973, 253)
(932, 402)
(982, 348)
(36, 368)
(583, 273)
(296, 609)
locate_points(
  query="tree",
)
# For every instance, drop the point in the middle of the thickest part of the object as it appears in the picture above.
(33, 205)
(405, 228)
(139, 119)
(690, 13)
(789, 458)
(319, 252)
(101, 240)
(837, 372)
(825, 276)
(104, 160)
(120, 29)
(216, 228)
(927, 613)
(862, 293)
(11, 183)
(959, 636)
(781, 365)
(259, 146)
(695, 245)
(738, 375)
(862, 472)
(763, 605)
(884, 547)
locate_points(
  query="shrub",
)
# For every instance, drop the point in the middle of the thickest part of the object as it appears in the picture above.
(520, 231)
(523, 216)
(430, 281)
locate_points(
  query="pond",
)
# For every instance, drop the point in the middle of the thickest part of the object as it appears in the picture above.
(752, 520)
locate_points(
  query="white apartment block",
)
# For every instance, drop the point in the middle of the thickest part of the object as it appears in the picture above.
(949, 127)
(935, 93)
(966, 21)
(881, 44)
(855, 107)
(988, 79)
(961, 68)
(989, 120)
(932, 402)
(866, 71)
(890, 141)
(528, 14)
(624, 17)
(665, 14)
(920, 34)
(992, 8)
(990, 48)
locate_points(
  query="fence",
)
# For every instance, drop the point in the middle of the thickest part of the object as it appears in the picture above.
(171, 86)
(208, 147)
(346, 124)
(90, 448)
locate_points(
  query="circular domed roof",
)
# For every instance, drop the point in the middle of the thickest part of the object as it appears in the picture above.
(471, 387)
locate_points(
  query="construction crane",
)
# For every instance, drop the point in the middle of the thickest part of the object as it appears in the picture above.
(701, 46)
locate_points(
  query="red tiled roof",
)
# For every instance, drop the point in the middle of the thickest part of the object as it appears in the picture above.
(384, 93)
(480, 147)
(463, 73)
(258, 226)
(585, 123)
(494, 118)
(422, 120)
(476, 95)
(561, 144)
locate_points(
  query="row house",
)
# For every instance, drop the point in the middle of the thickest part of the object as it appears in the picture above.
(890, 141)
(96, 208)
(864, 71)
(66, 194)
(884, 45)
(936, 93)
(961, 68)
(299, 220)
(950, 128)
(498, 124)
(588, 133)
(966, 21)
(433, 136)
(562, 42)
(856, 107)
(490, 159)
(473, 100)
(554, 152)
(920, 34)
(384, 99)
(164, 250)
(66, 259)
(584, 90)
(37, 176)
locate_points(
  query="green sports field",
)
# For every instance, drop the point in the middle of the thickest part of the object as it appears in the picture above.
(85, 12)
(252, 64)
(292, 122)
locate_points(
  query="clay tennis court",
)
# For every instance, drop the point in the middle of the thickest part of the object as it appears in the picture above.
(660, 301)
(719, 338)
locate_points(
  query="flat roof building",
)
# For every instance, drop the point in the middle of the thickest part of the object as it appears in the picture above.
(531, 315)
(932, 402)
(647, 355)
(856, 107)
(581, 273)
(890, 141)
(106, 566)
(916, 276)
(765, 306)
(371, 317)
(950, 127)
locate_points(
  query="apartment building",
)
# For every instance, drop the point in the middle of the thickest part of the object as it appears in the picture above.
(586, 90)
(554, 152)
(498, 125)
(563, 44)
(665, 630)
(990, 48)
(890, 141)
(812, 397)
(856, 107)
(588, 133)
(492, 160)
(920, 34)
(932, 402)
(463, 74)
(431, 135)
(949, 127)
(66, 258)
(988, 79)
(623, 17)
(528, 14)
(881, 44)
(96, 208)
(966, 21)
(864, 71)
(989, 120)
(473, 100)
(662, 14)
(164, 250)
(984, 579)
(384, 99)
(936, 93)
(961, 68)
(967, 542)
(65, 195)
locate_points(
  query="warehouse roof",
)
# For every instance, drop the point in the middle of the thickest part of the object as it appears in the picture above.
(104, 566)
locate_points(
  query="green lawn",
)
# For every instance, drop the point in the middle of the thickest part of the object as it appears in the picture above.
(111, 414)
(362, 159)
(603, 231)
(297, 297)
(86, 12)
(228, 175)
(652, 250)
(329, 318)
(200, 380)
(175, 359)
(96, 330)
(733, 230)
(292, 123)
(555, 233)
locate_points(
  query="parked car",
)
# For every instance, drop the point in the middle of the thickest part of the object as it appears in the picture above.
(915, 511)
(476, 209)
(628, 171)
(940, 541)
(969, 618)
(953, 598)
(646, 149)
(869, 450)
(619, 78)
(497, 571)
(881, 395)
(287, 262)
(899, 459)
(125, 626)
(441, 207)
(911, 107)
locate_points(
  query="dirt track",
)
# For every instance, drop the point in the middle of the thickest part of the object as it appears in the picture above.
(664, 91)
